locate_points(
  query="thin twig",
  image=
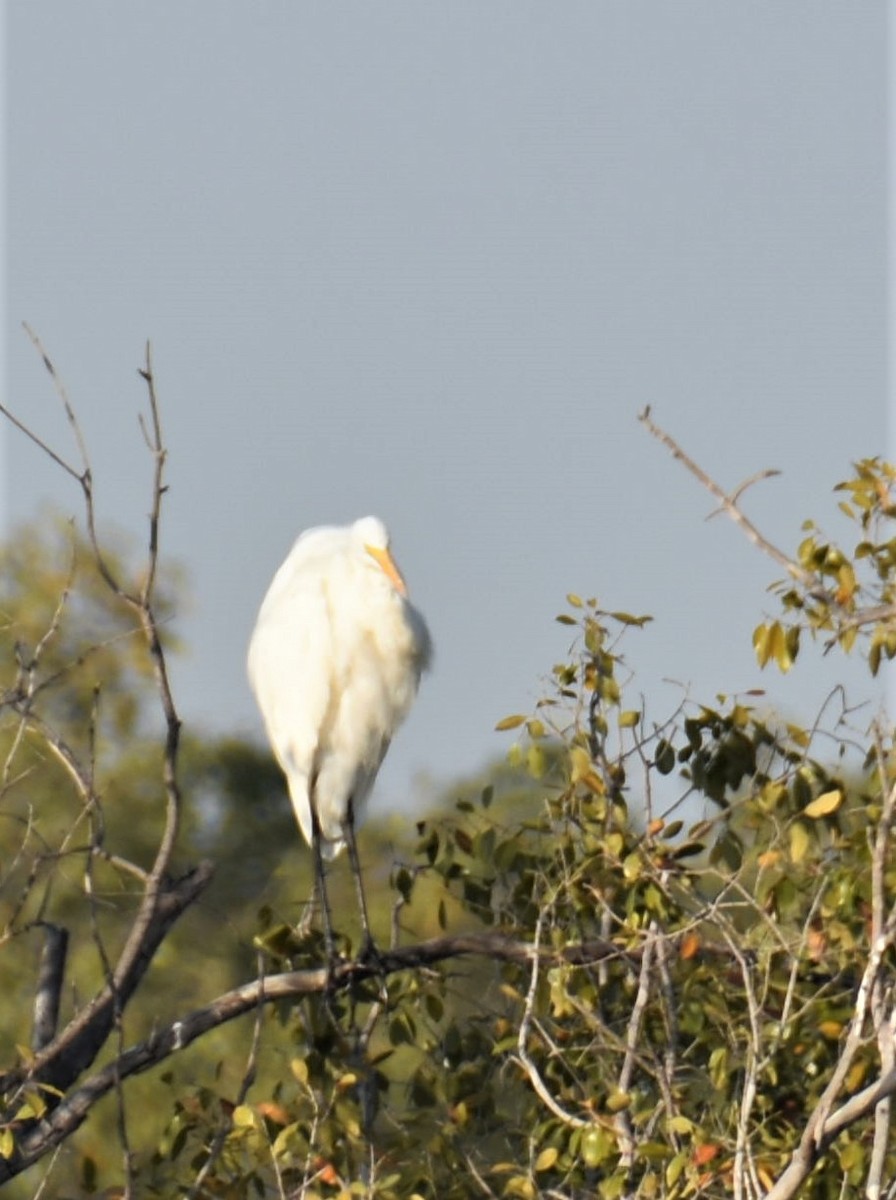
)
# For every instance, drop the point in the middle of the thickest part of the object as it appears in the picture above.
(248, 1079)
(522, 1051)
(727, 502)
(632, 1038)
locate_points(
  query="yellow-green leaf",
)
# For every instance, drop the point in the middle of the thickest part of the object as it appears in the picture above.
(856, 1076)
(513, 722)
(630, 717)
(852, 1155)
(547, 1158)
(579, 763)
(799, 841)
(675, 1168)
(830, 1029)
(536, 761)
(680, 1124)
(520, 1186)
(617, 1101)
(632, 867)
(762, 644)
(7, 1143)
(825, 804)
(596, 1145)
(780, 647)
(625, 618)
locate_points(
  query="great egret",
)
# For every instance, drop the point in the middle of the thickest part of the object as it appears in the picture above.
(335, 661)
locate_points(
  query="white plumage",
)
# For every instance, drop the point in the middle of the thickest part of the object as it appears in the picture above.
(335, 660)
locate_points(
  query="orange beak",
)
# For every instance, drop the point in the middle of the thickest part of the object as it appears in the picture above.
(387, 563)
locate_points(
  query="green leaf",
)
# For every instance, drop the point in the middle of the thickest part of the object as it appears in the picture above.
(520, 1186)
(513, 722)
(675, 1168)
(780, 649)
(630, 717)
(596, 1145)
(664, 760)
(762, 644)
(799, 841)
(825, 804)
(536, 762)
(617, 1101)
(547, 1158)
(632, 867)
(654, 1151)
(625, 618)
(88, 1173)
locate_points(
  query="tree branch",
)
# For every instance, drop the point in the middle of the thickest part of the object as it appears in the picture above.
(50, 979)
(728, 502)
(63, 1060)
(60, 1122)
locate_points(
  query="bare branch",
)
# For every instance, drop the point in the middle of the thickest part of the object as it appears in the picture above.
(728, 502)
(50, 980)
(824, 1123)
(73, 1109)
(40, 443)
(62, 1061)
(248, 1079)
(623, 1121)
(809, 1151)
(63, 396)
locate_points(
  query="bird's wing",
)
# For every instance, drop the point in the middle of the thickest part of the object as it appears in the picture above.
(290, 669)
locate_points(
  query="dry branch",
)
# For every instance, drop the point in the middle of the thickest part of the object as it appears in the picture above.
(71, 1111)
(728, 501)
(50, 980)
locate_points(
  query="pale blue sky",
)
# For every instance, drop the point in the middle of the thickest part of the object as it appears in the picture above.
(430, 261)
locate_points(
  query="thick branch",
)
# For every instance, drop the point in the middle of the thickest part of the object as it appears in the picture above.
(71, 1112)
(75, 1048)
(50, 979)
(808, 1152)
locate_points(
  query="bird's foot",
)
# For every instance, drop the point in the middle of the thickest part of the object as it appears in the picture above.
(368, 951)
(374, 960)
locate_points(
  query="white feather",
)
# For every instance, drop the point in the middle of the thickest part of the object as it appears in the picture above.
(335, 661)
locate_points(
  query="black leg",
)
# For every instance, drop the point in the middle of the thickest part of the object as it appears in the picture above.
(320, 889)
(367, 948)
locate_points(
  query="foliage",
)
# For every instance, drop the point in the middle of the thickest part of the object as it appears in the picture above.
(650, 956)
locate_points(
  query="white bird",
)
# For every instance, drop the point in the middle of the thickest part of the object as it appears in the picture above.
(335, 661)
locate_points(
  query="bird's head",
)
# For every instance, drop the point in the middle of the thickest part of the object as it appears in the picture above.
(372, 534)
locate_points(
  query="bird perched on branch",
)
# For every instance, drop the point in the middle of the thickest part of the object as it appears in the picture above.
(335, 661)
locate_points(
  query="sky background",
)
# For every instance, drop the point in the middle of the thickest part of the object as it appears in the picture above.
(429, 262)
